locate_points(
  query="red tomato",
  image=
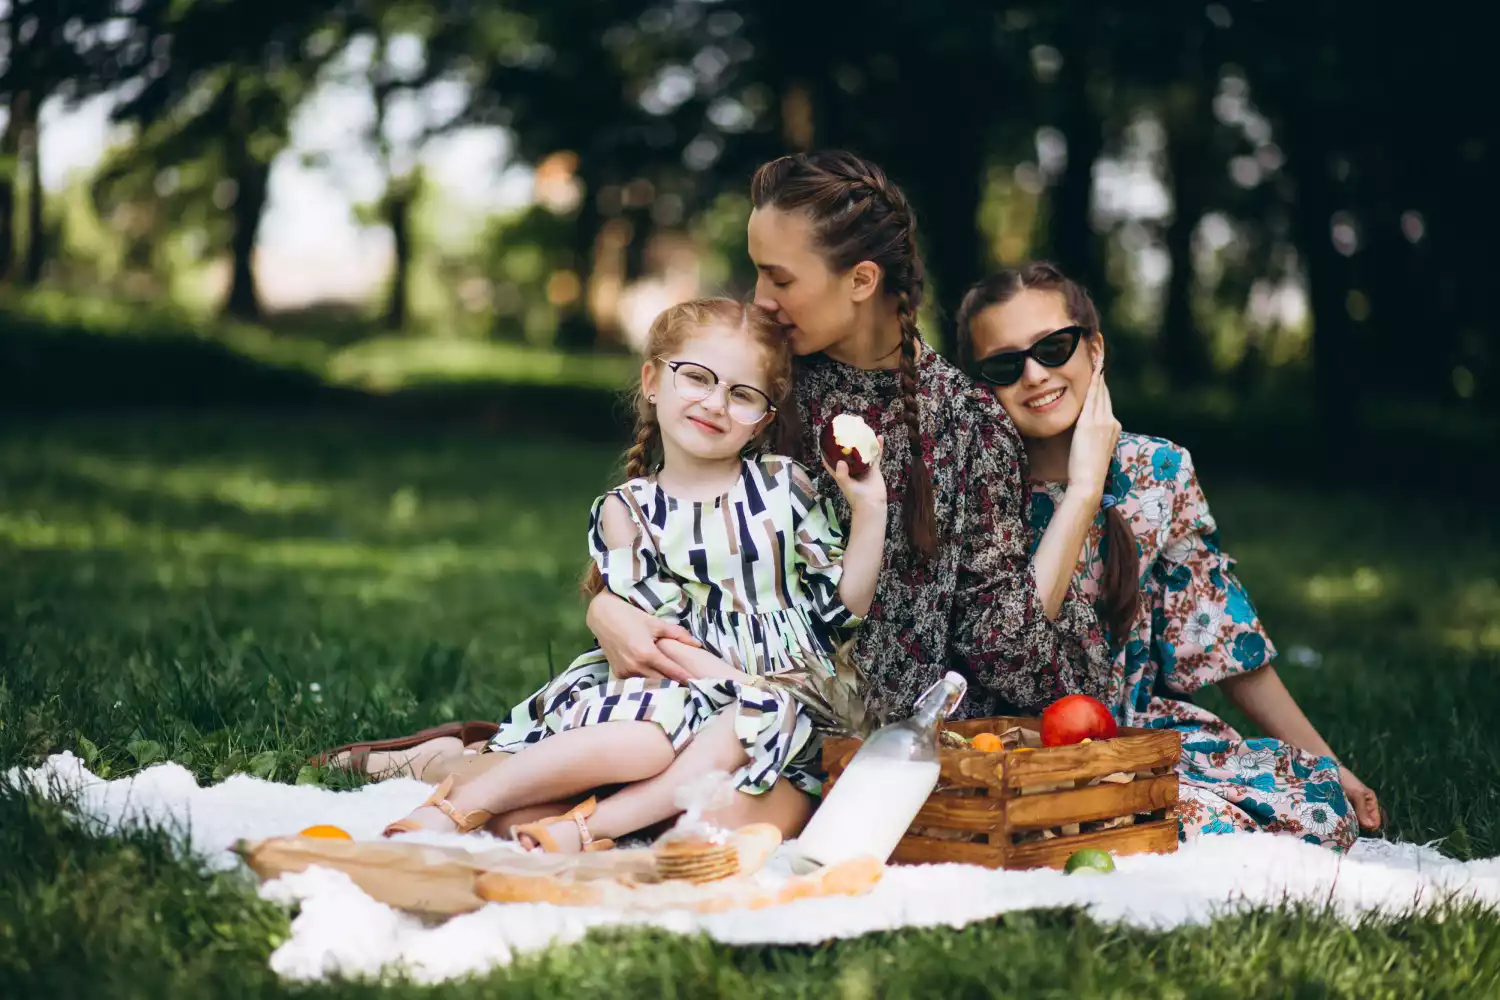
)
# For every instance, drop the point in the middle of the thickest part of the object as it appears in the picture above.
(1075, 718)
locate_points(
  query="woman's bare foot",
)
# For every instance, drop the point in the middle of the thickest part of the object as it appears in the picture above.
(429, 818)
(564, 833)
(440, 814)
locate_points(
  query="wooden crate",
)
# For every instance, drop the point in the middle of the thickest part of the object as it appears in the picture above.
(1033, 809)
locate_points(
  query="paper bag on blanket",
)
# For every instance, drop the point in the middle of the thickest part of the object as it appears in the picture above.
(447, 881)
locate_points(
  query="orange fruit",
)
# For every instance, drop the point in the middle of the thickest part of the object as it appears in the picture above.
(326, 832)
(988, 742)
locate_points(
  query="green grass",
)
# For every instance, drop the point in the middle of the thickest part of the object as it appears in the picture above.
(234, 593)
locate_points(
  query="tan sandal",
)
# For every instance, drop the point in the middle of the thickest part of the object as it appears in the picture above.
(464, 822)
(579, 815)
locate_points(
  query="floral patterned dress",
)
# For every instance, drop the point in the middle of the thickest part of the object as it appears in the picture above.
(974, 606)
(1196, 626)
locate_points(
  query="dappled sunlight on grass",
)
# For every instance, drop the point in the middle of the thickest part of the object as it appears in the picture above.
(1363, 585)
(390, 363)
(247, 489)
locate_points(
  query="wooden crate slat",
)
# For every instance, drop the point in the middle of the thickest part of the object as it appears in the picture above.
(1148, 838)
(1083, 805)
(914, 850)
(978, 813)
(1159, 749)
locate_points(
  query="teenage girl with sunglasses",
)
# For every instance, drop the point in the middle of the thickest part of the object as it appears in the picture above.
(1122, 518)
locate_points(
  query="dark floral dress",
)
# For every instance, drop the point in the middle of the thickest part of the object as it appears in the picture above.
(974, 607)
(1196, 626)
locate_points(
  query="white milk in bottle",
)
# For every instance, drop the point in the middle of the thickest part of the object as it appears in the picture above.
(877, 796)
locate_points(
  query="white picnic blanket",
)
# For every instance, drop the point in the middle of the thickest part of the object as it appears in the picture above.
(340, 930)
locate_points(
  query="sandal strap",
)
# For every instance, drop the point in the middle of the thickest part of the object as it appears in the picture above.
(585, 838)
(465, 822)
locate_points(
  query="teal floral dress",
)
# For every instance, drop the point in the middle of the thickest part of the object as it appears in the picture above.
(1196, 626)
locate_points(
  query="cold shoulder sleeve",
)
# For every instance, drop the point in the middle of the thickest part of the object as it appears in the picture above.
(1204, 627)
(633, 571)
(818, 550)
(1000, 628)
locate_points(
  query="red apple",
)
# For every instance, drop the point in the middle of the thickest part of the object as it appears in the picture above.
(848, 439)
(1075, 718)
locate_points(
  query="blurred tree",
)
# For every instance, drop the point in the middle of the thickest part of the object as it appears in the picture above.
(609, 100)
(1074, 62)
(213, 96)
(49, 49)
(402, 51)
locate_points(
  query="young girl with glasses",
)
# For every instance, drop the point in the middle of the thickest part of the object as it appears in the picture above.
(712, 533)
(1178, 619)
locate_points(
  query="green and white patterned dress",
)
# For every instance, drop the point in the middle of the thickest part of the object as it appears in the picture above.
(753, 575)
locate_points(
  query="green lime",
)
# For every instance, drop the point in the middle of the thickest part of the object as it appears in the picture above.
(1090, 861)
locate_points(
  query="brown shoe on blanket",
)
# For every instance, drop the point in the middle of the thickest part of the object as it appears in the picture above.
(465, 732)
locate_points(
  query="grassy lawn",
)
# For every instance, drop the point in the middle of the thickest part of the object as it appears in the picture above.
(233, 593)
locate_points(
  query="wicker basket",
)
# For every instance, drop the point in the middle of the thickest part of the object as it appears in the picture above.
(1033, 809)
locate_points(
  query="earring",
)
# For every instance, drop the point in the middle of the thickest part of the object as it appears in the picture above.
(651, 399)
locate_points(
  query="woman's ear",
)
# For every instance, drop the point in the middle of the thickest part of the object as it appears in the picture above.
(1095, 343)
(864, 280)
(650, 380)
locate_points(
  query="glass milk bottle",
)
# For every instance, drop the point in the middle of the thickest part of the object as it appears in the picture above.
(875, 799)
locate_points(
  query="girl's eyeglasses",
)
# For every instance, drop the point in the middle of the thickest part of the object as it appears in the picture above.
(1052, 351)
(695, 383)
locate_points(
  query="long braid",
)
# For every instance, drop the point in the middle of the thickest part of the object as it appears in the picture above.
(917, 512)
(638, 464)
(639, 459)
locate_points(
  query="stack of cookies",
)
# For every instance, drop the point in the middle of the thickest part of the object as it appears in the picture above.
(695, 859)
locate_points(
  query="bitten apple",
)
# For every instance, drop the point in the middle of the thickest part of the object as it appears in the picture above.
(1075, 718)
(848, 439)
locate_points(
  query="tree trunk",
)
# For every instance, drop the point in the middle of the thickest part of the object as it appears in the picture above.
(1184, 352)
(1335, 384)
(948, 189)
(575, 327)
(1070, 240)
(36, 231)
(398, 207)
(249, 204)
(10, 164)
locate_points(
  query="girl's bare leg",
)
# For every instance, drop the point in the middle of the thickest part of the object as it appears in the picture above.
(566, 764)
(783, 805)
(713, 748)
